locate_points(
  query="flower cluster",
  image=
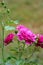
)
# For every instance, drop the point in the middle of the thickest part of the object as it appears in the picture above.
(24, 34)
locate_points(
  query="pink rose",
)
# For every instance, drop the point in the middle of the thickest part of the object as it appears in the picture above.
(9, 39)
(20, 27)
(26, 34)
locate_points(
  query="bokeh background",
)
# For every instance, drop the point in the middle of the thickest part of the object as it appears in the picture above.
(29, 13)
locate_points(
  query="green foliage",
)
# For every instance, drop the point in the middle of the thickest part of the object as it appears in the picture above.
(9, 21)
(8, 63)
(2, 3)
(9, 28)
(1, 61)
(16, 21)
(31, 14)
(19, 62)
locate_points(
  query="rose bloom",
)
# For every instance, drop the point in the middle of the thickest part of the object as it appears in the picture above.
(26, 34)
(20, 27)
(40, 40)
(9, 39)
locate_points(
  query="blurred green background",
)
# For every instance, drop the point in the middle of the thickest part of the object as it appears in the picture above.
(29, 13)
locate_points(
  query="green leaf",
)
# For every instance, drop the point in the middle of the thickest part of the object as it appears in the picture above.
(16, 21)
(12, 22)
(9, 28)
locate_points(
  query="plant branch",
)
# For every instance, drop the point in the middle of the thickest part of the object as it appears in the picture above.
(3, 43)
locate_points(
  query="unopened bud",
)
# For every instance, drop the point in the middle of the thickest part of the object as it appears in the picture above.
(16, 31)
(5, 6)
(2, 3)
(25, 58)
(8, 11)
